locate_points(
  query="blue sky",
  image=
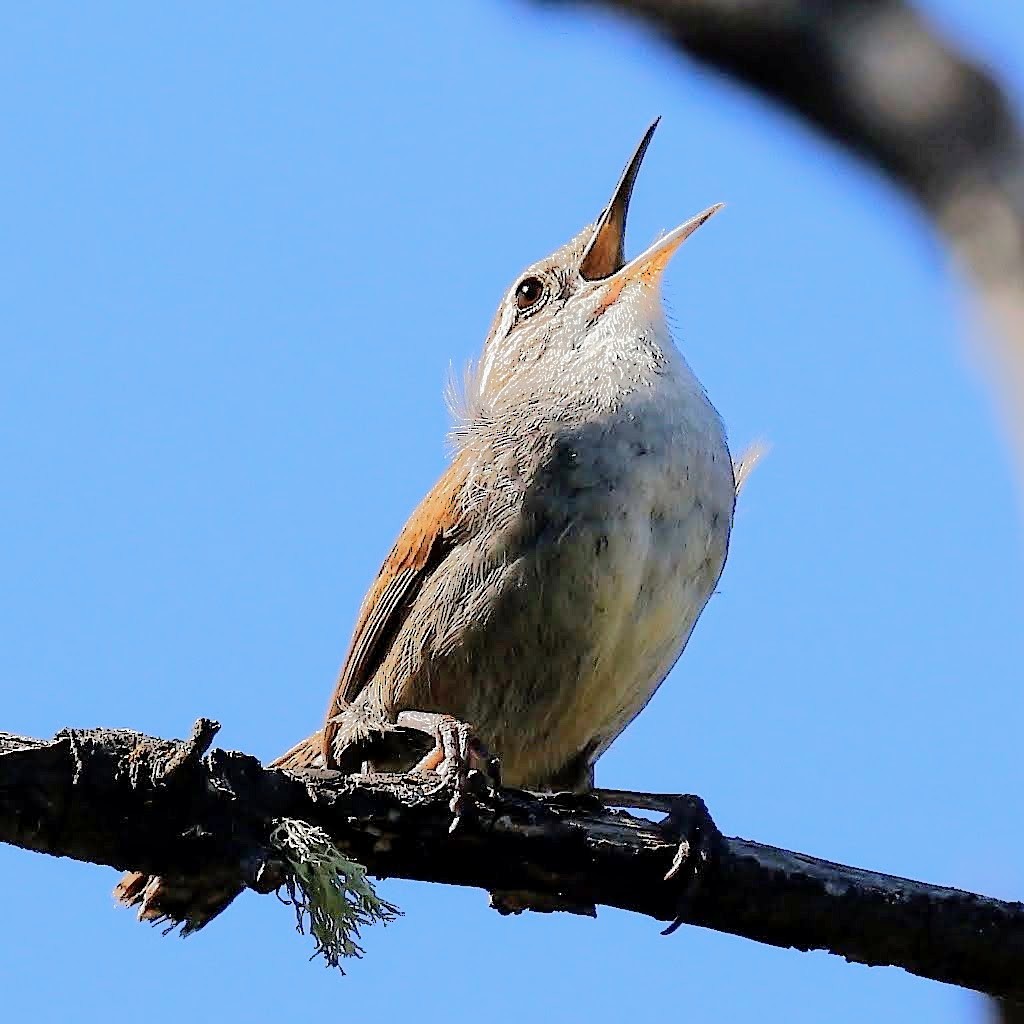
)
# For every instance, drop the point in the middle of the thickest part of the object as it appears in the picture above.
(240, 249)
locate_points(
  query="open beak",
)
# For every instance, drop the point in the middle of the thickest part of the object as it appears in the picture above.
(605, 258)
(650, 263)
(606, 252)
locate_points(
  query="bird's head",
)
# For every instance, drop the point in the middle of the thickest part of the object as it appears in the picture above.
(584, 304)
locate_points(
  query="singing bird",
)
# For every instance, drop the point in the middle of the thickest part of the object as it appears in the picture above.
(547, 583)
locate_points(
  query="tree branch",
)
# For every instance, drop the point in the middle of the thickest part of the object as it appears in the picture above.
(130, 801)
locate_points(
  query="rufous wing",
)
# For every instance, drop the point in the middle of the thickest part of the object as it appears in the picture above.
(432, 530)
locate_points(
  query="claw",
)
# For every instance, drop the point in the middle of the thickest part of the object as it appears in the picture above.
(458, 756)
(699, 838)
(689, 822)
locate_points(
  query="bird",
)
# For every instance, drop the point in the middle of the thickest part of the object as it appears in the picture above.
(542, 590)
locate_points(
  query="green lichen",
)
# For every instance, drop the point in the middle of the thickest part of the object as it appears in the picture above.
(331, 894)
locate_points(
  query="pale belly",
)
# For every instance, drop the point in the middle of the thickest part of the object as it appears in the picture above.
(596, 611)
(654, 588)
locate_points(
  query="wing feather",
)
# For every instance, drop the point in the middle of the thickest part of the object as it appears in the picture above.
(430, 533)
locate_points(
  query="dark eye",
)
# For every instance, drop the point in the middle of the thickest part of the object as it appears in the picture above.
(529, 292)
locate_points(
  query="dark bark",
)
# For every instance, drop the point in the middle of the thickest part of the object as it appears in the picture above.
(119, 798)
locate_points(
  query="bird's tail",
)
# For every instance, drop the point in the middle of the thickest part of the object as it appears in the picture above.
(194, 901)
(744, 465)
(307, 754)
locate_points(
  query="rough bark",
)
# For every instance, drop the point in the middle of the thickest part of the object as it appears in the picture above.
(130, 801)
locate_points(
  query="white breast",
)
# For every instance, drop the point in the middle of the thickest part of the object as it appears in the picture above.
(666, 522)
(607, 483)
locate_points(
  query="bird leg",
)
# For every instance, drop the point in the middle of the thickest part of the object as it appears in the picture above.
(456, 756)
(689, 823)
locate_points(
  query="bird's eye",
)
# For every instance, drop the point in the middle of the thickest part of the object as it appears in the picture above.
(529, 292)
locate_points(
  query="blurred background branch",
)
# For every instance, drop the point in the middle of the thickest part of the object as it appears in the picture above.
(875, 76)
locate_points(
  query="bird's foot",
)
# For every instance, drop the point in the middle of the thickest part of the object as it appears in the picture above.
(699, 840)
(458, 757)
(689, 823)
